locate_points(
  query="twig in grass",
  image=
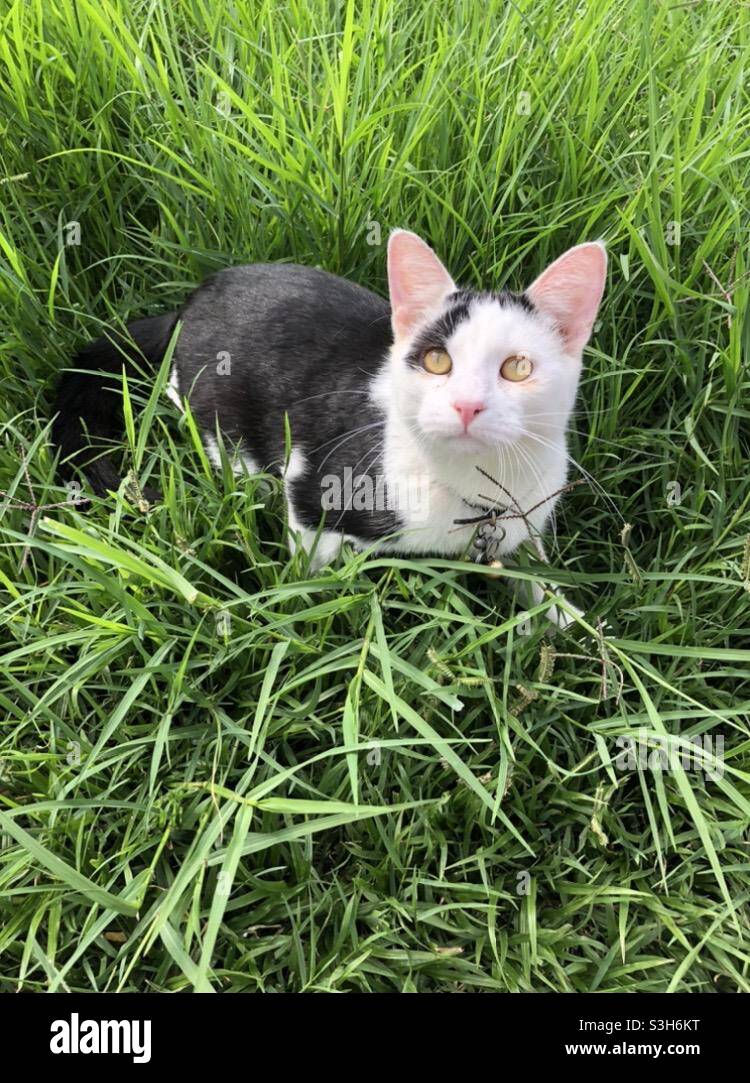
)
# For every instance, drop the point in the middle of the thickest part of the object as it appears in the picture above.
(35, 509)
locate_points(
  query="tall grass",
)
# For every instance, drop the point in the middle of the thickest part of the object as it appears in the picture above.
(219, 770)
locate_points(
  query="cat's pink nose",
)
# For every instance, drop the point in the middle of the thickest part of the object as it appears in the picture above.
(467, 411)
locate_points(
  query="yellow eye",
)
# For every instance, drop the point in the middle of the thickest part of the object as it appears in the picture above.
(517, 367)
(438, 362)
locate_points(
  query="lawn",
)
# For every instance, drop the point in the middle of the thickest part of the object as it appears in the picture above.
(220, 770)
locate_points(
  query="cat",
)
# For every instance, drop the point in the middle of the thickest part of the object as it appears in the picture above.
(386, 421)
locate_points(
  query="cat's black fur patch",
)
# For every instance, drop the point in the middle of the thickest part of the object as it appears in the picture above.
(257, 341)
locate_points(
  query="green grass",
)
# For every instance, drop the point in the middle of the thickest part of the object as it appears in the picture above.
(218, 770)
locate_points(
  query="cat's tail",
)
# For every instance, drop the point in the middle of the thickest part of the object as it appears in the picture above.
(88, 405)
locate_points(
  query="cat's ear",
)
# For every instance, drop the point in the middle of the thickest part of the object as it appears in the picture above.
(570, 290)
(417, 281)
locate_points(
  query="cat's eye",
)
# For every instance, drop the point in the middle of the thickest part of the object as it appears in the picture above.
(438, 362)
(517, 367)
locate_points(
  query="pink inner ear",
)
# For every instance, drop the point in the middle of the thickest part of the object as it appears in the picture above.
(570, 291)
(417, 281)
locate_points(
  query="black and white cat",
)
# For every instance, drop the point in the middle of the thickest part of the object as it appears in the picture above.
(392, 408)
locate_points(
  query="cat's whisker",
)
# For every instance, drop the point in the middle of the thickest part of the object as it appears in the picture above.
(376, 451)
(615, 444)
(588, 436)
(349, 436)
(538, 484)
(595, 485)
(331, 394)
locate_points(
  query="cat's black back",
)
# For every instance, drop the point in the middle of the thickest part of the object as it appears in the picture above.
(257, 342)
(261, 339)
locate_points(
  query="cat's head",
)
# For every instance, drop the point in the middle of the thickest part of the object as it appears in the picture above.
(473, 371)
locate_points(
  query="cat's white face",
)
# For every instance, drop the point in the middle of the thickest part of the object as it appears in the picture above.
(509, 378)
(473, 372)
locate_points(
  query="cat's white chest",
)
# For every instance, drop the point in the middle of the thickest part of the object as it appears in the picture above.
(444, 494)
